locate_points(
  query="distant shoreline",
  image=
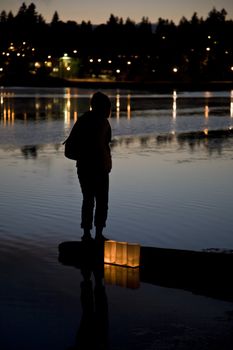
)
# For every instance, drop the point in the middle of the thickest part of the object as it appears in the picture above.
(31, 81)
(153, 85)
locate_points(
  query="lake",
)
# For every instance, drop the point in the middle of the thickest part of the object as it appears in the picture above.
(170, 187)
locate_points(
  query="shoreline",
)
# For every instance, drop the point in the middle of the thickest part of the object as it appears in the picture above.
(153, 85)
(50, 82)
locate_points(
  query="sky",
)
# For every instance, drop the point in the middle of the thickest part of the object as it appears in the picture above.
(98, 11)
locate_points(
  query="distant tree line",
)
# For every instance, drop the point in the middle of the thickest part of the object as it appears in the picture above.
(193, 49)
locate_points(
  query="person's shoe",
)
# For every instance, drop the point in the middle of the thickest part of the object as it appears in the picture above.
(86, 237)
(101, 238)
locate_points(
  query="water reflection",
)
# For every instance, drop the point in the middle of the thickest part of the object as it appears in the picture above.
(29, 151)
(93, 328)
(70, 103)
(174, 104)
(42, 116)
(212, 140)
(208, 140)
(158, 266)
(231, 106)
(39, 106)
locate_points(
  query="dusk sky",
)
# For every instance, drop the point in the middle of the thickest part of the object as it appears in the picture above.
(98, 11)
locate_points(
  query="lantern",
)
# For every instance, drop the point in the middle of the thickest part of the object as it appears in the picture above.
(122, 253)
(110, 252)
(133, 256)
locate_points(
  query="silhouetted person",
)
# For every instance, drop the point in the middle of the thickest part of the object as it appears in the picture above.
(94, 164)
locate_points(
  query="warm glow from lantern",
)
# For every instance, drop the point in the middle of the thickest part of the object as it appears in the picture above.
(128, 107)
(110, 252)
(121, 276)
(133, 255)
(122, 253)
(206, 111)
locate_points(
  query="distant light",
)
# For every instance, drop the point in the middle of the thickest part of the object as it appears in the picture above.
(49, 56)
(232, 68)
(208, 49)
(3, 53)
(1, 69)
(118, 71)
(33, 49)
(37, 64)
(110, 61)
(68, 68)
(65, 57)
(24, 42)
(7, 54)
(55, 69)
(226, 52)
(129, 62)
(163, 37)
(175, 69)
(99, 60)
(209, 36)
(91, 60)
(75, 51)
(18, 54)
(205, 131)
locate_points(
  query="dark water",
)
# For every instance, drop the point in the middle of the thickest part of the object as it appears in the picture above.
(166, 190)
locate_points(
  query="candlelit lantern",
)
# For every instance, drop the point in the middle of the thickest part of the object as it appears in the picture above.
(122, 253)
(110, 252)
(133, 256)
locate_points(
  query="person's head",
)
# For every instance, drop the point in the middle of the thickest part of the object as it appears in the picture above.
(101, 104)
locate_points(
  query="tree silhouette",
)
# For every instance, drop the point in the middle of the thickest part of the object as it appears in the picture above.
(197, 48)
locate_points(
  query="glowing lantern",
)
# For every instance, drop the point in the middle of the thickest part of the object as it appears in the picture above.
(133, 255)
(122, 253)
(110, 252)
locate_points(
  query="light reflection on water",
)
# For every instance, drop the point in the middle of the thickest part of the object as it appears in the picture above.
(176, 111)
(157, 149)
(167, 189)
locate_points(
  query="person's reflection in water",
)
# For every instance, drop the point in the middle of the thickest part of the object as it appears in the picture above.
(94, 164)
(93, 329)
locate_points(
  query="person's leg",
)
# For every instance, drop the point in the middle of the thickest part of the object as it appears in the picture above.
(101, 211)
(87, 187)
